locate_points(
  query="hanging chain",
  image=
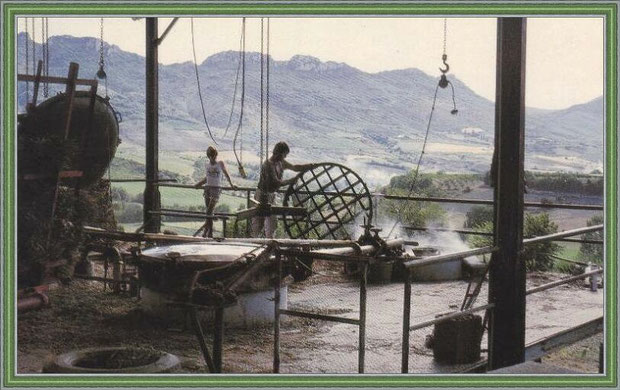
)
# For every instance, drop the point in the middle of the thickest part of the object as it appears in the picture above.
(267, 90)
(234, 98)
(445, 34)
(101, 42)
(262, 88)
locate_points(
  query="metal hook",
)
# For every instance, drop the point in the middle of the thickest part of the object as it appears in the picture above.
(444, 58)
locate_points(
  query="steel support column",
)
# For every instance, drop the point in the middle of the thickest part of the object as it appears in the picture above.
(152, 201)
(507, 271)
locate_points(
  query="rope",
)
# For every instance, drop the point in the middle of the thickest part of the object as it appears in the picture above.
(234, 98)
(239, 157)
(27, 63)
(34, 65)
(262, 88)
(267, 102)
(417, 168)
(46, 56)
(202, 106)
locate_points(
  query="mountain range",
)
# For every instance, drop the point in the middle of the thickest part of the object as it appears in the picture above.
(327, 111)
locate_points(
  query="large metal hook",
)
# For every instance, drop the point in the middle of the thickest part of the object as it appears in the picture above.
(444, 58)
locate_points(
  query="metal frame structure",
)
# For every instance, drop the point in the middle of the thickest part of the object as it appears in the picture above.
(492, 306)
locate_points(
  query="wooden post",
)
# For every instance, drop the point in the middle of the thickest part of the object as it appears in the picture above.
(276, 320)
(152, 201)
(362, 325)
(406, 322)
(507, 272)
(218, 339)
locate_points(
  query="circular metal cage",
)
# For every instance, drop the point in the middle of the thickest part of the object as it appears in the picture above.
(336, 200)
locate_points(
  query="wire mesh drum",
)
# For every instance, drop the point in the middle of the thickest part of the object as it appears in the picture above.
(336, 199)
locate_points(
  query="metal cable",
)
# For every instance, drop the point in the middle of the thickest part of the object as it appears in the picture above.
(27, 63)
(234, 98)
(267, 100)
(262, 88)
(239, 157)
(202, 106)
(417, 168)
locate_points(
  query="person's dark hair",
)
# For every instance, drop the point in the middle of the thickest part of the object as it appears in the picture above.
(211, 151)
(281, 148)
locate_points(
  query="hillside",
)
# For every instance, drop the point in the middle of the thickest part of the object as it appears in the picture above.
(373, 122)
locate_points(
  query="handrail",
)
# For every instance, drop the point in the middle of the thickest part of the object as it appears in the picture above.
(449, 256)
(420, 198)
(560, 282)
(567, 233)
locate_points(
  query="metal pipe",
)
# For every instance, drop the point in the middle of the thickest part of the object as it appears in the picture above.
(362, 324)
(562, 281)
(450, 316)
(423, 199)
(303, 314)
(166, 31)
(568, 233)
(447, 257)
(32, 302)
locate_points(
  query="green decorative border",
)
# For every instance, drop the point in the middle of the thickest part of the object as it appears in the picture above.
(10, 10)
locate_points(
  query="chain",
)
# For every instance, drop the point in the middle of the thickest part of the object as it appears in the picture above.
(445, 34)
(101, 63)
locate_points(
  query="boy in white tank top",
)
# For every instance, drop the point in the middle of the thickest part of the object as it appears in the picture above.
(212, 181)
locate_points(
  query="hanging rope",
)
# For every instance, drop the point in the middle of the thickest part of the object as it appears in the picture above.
(34, 63)
(443, 83)
(47, 57)
(45, 54)
(234, 98)
(239, 157)
(202, 106)
(27, 49)
(262, 88)
(267, 102)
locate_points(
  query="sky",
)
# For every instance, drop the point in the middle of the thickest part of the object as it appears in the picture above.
(564, 58)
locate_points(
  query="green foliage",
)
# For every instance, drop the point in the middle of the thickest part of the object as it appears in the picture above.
(565, 182)
(593, 252)
(537, 257)
(413, 213)
(478, 215)
(130, 212)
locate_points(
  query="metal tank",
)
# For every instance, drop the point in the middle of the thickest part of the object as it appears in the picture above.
(41, 134)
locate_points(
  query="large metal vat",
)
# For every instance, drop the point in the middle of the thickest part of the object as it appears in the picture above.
(92, 140)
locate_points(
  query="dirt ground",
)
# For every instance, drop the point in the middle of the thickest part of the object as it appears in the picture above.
(83, 315)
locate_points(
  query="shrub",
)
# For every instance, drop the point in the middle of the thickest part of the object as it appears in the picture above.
(478, 215)
(537, 257)
(593, 252)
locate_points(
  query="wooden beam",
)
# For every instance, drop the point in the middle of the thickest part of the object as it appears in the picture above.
(507, 271)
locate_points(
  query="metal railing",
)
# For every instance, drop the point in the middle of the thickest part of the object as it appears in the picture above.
(438, 259)
(360, 322)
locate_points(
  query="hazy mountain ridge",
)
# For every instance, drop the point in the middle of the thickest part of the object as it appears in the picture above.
(327, 110)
